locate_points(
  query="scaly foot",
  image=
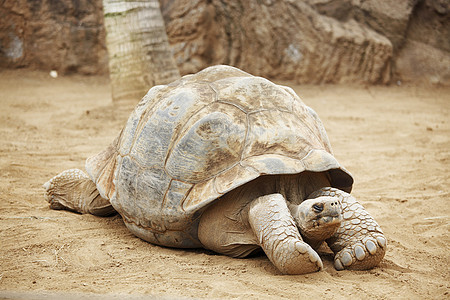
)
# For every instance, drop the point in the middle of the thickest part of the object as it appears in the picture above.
(279, 237)
(73, 190)
(359, 243)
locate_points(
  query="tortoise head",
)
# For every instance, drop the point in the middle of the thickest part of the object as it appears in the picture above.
(318, 219)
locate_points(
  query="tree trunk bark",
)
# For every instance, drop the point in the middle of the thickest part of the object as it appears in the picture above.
(139, 52)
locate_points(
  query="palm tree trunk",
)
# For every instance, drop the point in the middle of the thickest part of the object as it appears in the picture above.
(138, 48)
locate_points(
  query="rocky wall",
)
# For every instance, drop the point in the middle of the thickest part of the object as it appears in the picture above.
(310, 41)
(63, 35)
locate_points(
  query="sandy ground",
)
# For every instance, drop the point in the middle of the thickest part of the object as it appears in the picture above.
(395, 141)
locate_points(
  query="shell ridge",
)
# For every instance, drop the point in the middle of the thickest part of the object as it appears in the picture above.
(185, 197)
(246, 139)
(204, 202)
(233, 104)
(216, 92)
(313, 133)
(220, 173)
(164, 199)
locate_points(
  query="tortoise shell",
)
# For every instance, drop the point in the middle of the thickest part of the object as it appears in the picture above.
(189, 142)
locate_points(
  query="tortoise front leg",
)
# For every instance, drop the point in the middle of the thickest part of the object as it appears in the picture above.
(277, 234)
(359, 243)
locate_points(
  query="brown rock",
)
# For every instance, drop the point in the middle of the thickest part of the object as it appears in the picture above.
(311, 41)
(388, 18)
(275, 39)
(67, 36)
(418, 29)
(425, 54)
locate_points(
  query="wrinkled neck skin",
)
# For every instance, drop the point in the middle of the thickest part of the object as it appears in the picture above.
(294, 188)
(313, 228)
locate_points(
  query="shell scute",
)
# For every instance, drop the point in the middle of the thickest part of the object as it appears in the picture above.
(268, 164)
(279, 132)
(175, 195)
(236, 175)
(213, 140)
(158, 126)
(151, 186)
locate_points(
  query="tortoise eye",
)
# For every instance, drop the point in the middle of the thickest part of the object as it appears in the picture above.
(318, 207)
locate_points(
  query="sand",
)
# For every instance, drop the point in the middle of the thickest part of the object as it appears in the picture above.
(394, 140)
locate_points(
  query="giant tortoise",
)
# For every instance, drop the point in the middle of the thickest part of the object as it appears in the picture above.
(233, 163)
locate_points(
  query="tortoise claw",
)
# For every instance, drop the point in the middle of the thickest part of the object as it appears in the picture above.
(361, 255)
(359, 242)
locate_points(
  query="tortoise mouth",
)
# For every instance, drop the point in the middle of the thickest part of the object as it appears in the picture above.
(328, 220)
(322, 228)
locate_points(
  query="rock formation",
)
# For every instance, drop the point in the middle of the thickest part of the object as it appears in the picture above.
(276, 39)
(67, 36)
(311, 41)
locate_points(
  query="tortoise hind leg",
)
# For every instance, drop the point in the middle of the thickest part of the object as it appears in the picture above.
(73, 190)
